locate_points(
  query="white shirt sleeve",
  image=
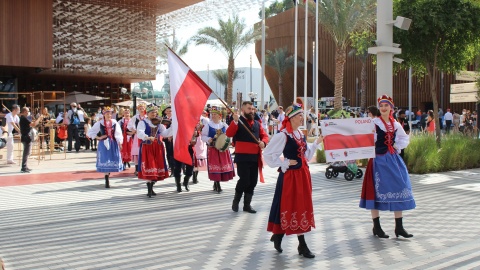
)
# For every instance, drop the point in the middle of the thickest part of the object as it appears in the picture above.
(273, 151)
(118, 132)
(311, 149)
(205, 130)
(141, 130)
(402, 139)
(92, 133)
(166, 132)
(131, 123)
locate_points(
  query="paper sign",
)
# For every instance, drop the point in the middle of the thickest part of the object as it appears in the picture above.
(348, 139)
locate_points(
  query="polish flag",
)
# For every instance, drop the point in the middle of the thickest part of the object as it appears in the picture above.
(189, 94)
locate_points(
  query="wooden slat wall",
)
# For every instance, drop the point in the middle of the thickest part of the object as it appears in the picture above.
(26, 33)
(280, 33)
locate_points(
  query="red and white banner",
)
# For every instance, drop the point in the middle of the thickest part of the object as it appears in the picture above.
(348, 139)
(189, 94)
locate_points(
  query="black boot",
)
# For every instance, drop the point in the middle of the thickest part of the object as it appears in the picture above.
(136, 170)
(399, 230)
(107, 181)
(185, 182)
(277, 241)
(128, 163)
(177, 181)
(377, 229)
(214, 186)
(149, 187)
(247, 200)
(236, 201)
(219, 188)
(195, 175)
(303, 249)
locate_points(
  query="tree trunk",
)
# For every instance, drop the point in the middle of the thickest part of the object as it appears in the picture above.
(363, 90)
(340, 57)
(225, 93)
(231, 71)
(280, 91)
(433, 92)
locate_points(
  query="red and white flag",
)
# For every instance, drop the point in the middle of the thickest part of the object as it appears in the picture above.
(348, 139)
(189, 94)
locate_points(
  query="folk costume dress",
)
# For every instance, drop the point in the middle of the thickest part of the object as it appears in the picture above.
(200, 149)
(109, 158)
(133, 125)
(152, 163)
(127, 141)
(220, 164)
(292, 206)
(386, 185)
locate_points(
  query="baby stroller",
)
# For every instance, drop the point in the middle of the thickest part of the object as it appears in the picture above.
(348, 168)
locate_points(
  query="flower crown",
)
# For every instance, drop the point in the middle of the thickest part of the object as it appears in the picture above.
(294, 110)
(107, 109)
(141, 104)
(151, 108)
(386, 99)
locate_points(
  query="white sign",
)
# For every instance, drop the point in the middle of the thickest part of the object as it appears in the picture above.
(464, 75)
(463, 97)
(348, 139)
(463, 88)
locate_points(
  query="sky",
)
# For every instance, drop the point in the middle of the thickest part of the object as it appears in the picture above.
(200, 57)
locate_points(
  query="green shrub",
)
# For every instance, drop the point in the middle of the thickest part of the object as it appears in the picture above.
(457, 152)
(338, 114)
(320, 156)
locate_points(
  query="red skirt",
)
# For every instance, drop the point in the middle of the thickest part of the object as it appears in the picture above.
(153, 164)
(292, 207)
(126, 149)
(220, 165)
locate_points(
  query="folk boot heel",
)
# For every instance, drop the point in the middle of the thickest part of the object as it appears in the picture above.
(377, 229)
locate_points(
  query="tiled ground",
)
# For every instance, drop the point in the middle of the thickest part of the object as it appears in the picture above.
(80, 225)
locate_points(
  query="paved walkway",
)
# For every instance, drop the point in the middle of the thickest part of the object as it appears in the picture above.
(66, 219)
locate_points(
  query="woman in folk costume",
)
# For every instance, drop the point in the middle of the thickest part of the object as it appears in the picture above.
(200, 151)
(152, 163)
(386, 185)
(292, 206)
(110, 143)
(132, 126)
(127, 139)
(220, 164)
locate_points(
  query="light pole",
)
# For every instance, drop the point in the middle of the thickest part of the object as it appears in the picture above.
(252, 96)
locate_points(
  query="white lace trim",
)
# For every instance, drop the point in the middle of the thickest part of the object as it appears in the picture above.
(377, 121)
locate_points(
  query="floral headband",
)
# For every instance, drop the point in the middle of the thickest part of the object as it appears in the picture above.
(294, 110)
(386, 99)
(151, 108)
(141, 104)
(107, 109)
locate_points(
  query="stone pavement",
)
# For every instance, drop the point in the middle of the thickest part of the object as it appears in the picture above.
(78, 224)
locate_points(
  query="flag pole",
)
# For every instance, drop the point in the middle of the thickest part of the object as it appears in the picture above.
(305, 75)
(240, 121)
(316, 70)
(296, 54)
(262, 92)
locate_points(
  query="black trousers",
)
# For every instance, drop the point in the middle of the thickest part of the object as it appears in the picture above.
(27, 146)
(248, 173)
(448, 125)
(177, 167)
(73, 134)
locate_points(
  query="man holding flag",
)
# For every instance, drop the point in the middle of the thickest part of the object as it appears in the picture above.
(250, 138)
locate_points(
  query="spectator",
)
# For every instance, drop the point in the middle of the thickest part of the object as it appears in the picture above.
(430, 123)
(73, 117)
(448, 117)
(26, 126)
(440, 117)
(13, 122)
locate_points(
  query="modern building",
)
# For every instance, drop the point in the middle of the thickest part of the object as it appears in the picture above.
(280, 33)
(91, 46)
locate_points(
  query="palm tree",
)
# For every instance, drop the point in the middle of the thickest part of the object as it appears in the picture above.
(360, 43)
(230, 39)
(221, 75)
(281, 62)
(340, 19)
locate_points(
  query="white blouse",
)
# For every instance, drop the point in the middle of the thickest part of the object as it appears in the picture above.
(131, 123)
(92, 133)
(205, 129)
(402, 139)
(274, 149)
(162, 131)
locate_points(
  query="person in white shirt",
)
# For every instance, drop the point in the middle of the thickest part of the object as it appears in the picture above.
(281, 117)
(448, 116)
(13, 122)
